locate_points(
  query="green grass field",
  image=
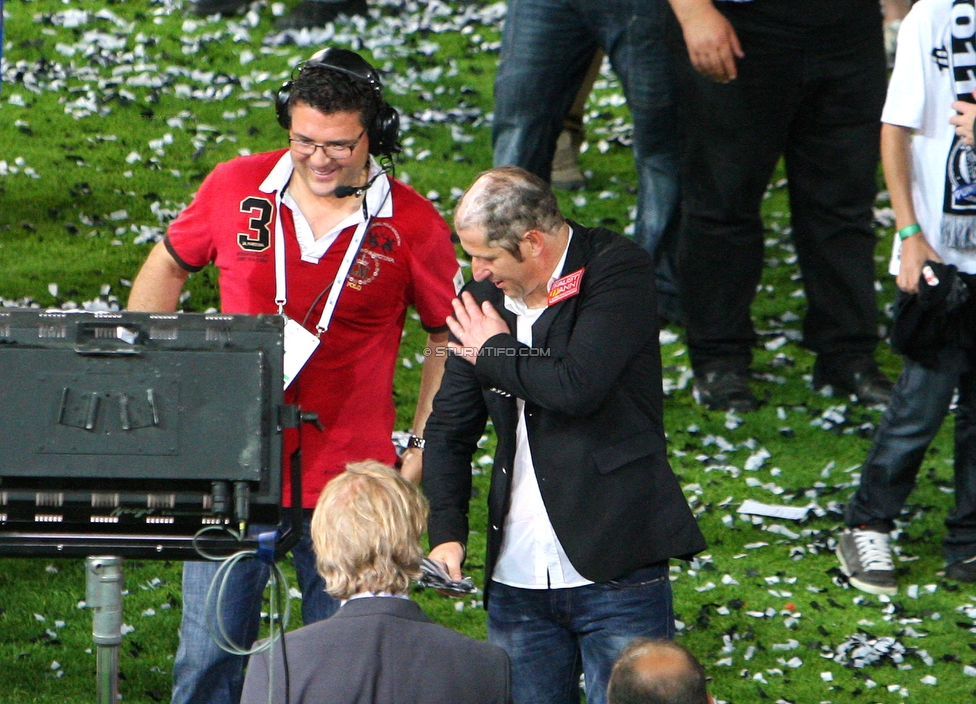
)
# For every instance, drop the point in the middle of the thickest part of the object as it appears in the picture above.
(110, 115)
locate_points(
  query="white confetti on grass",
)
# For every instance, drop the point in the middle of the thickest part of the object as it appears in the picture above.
(667, 337)
(757, 460)
(282, 6)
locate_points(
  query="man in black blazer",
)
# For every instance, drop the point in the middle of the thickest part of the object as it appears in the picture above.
(379, 647)
(556, 339)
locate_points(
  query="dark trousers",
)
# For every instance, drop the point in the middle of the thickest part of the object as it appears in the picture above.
(920, 403)
(816, 103)
(547, 46)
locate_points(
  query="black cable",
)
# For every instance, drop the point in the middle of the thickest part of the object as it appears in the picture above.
(284, 649)
(316, 302)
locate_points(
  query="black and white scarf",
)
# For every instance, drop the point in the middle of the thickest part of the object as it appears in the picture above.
(959, 203)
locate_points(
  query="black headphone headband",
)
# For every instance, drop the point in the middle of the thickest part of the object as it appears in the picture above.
(383, 131)
(347, 62)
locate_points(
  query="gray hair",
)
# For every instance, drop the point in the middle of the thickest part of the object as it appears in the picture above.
(506, 202)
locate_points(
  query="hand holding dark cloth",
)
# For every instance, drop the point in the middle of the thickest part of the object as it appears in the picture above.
(942, 314)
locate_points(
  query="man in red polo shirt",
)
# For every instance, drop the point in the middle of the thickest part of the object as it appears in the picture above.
(321, 234)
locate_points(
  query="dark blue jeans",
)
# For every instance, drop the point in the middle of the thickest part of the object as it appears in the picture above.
(553, 635)
(203, 673)
(920, 403)
(547, 46)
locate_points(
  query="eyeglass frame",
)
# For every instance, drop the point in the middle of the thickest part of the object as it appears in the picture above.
(346, 149)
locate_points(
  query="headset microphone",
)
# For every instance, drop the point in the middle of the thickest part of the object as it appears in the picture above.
(346, 191)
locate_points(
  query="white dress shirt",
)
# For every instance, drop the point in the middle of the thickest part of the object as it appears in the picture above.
(531, 556)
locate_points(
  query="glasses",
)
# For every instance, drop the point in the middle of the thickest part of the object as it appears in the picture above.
(333, 150)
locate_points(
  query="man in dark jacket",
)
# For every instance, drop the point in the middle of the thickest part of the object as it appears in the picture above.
(556, 339)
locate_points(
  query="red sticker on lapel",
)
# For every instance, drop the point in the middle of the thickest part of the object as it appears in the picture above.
(565, 287)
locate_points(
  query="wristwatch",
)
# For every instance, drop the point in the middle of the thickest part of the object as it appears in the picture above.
(416, 442)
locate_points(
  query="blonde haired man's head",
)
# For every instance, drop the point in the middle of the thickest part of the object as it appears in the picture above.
(366, 531)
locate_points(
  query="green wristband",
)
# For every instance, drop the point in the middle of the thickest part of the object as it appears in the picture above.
(906, 232)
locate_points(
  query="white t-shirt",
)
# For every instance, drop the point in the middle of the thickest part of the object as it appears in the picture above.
(920, 95)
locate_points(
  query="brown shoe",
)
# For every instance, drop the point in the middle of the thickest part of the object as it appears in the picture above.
(566, 174)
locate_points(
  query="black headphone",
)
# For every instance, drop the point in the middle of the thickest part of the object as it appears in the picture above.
(384, 129)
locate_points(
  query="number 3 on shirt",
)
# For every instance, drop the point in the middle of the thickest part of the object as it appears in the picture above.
(259, 237)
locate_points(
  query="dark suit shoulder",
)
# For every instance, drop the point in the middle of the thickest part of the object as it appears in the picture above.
(599, 242)
(380, 651)
(384, 615)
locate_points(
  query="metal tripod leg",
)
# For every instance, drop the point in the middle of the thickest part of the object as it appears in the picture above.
(103, 593)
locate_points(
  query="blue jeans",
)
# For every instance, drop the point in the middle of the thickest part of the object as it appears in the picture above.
(920, 403)
(547, 46)
(553, 635)
(203, 673)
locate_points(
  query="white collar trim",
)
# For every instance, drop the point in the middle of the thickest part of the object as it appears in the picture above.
(378, 204)
(517, 305)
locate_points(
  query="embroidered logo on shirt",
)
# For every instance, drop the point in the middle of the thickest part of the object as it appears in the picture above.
(380, 244)
(565, 287)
